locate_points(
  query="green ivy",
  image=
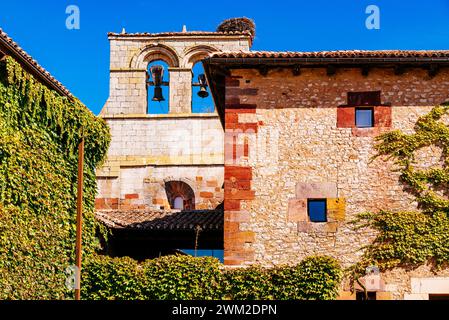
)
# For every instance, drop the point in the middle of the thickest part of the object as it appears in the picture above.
(39, 136)
(411, 239)
(189, 278)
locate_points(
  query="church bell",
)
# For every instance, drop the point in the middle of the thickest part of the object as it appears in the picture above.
(157, 73)
(203, 86)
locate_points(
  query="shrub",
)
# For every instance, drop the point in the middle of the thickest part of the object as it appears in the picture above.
(189, 278)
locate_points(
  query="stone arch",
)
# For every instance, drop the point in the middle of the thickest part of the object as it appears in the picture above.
(177, 188)
(197, 53)
(152, 53)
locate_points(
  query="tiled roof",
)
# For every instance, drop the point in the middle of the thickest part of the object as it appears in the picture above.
(335, 54)
(23, 57)
(160, 220)
(181, 34)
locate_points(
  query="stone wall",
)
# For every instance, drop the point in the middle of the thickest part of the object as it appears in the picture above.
(284, 145)
(148, 151)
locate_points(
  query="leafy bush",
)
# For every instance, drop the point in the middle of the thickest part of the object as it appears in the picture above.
(189, 278)
(39, 136)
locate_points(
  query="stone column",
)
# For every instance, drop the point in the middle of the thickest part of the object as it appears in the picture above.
(128, 93)
(180, 90)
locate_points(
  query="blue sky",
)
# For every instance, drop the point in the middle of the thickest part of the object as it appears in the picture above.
(80, 58)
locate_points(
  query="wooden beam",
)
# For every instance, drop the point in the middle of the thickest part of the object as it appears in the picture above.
(365, 71)
(79, 220)
(399, 70)
(331, 70)
(433, 70)
(296, 70)
(263, 70)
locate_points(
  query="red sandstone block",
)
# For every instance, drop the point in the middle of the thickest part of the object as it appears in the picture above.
(100, 201)
(232, 82)
(100, 204)
(365, 132)
(231, 118)
(158, 201)
(241, 127)
(238, 173)
(231, 205)
(132, 196)
(212, 183)
(239, 185)
(206, 195)
(237, 217)
(345, 117)
(232, 101)
(238, 238)
(231, 228)
(382, 116)
(240, 195)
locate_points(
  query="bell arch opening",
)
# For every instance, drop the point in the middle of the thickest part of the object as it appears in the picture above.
(158, 89)
(202, 101)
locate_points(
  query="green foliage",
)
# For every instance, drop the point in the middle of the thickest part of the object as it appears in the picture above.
(410, 239)
(189, 278)
(39, 136)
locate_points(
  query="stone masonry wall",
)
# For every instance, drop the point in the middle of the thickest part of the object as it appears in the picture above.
(291, 149)
(146, 152)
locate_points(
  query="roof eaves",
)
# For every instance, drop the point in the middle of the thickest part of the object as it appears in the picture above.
(23, 57)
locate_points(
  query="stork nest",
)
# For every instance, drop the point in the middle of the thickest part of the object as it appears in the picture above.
(238, 25)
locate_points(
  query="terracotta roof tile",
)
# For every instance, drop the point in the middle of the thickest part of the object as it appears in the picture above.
(160, 220)
(334, 54)
(26, 58)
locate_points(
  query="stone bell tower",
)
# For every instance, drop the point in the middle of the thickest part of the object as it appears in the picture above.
(156, 160)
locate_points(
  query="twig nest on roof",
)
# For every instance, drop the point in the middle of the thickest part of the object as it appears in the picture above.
(238, 25)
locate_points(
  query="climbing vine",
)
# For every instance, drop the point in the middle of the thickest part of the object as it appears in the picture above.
(410, 239)
(39, 136)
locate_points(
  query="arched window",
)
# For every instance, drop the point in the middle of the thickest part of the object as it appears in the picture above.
(178, 203)
(202, 101)
(180, 195)
(158, 90)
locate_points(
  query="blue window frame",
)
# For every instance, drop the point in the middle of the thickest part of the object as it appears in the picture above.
(317, 210)
(364, 117)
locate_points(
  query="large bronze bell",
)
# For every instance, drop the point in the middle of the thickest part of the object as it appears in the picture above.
(203, 86)
(158, 94)
(157, 73)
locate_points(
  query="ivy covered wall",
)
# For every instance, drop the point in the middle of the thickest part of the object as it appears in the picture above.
(413, 239)
(39, 136)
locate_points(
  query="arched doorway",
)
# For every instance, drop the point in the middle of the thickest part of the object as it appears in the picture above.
(180, 195)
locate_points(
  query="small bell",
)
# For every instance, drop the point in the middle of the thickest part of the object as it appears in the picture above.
(203, 86)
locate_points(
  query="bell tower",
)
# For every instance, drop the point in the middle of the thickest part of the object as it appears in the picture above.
(159, 132)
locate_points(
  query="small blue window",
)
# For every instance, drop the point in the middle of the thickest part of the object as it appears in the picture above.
(317, 210)
(364, 117)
